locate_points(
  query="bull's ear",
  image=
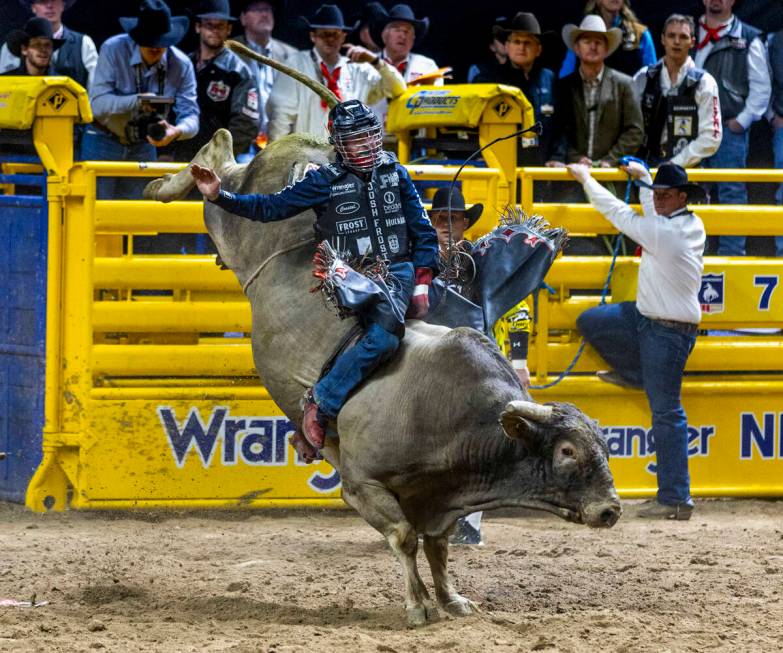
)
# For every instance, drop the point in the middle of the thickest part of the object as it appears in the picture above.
(522, 420)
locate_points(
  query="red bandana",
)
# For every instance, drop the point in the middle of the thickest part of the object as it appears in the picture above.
(331, 82)
(712, 34)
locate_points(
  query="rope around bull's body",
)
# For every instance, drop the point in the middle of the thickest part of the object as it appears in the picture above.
(273, 255)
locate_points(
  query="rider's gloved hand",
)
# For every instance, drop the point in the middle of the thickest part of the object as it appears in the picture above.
(420, 302)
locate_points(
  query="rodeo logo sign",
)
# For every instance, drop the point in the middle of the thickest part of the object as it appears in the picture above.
(711, 293)
(256, 441)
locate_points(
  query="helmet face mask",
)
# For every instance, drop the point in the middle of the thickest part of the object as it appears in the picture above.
(357, 135)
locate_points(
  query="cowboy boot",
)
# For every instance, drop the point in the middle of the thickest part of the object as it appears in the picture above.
(313, 425)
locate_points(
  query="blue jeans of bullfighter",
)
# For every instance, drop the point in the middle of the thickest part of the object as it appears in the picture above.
(732, 153)
(777, 146)
(97, 146)
(651, 356)
(375, 347)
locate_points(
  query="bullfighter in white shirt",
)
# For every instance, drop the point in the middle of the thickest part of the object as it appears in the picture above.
(647, 342)
(358, 75)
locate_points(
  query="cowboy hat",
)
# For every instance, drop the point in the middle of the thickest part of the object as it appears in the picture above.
(328, 17)
(214, 9)
(277, 5)
(155, 27)
(592, 24)
(398, 13)
(440, 202)
(33, 28)
(670, 175)
(522, 22)
(27, 3)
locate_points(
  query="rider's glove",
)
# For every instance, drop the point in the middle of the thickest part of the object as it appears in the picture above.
(420, 302)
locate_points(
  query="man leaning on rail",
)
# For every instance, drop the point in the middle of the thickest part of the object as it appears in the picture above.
(647, 342)
(346, 197)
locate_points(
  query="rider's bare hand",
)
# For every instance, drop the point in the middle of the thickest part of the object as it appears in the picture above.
(207, 182)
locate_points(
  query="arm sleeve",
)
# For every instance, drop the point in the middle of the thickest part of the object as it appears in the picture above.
(760, 86)
(243, 123)
(384, 81)
(424, 239)
(710, 133)
(632, 131)
(647, 48)
(312, 191)
(103, 98)
(639, 83)
(569, 64)
(7, 60)
(89, 58)
(644, 230)
(185, 102)
(281, 107)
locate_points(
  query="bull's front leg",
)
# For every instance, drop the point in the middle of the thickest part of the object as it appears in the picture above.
(437, 551)
(382, 511)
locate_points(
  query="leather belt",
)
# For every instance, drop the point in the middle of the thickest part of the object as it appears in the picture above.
(105, 130)
(684, 327)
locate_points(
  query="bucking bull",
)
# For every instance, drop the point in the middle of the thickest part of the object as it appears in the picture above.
(442, 430)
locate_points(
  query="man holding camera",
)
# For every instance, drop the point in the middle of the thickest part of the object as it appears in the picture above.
(143, 96)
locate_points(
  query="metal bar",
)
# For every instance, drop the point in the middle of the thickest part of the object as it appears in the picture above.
(173, 360)
(202, 393)
(167, 317)
(694, 174)
(163, 272)
(128, 217)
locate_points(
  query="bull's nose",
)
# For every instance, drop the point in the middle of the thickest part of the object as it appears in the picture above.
(609, 516)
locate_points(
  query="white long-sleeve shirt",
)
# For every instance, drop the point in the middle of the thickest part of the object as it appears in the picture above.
(759, 86)
(710, 132)
(673, 253)
(294, 108)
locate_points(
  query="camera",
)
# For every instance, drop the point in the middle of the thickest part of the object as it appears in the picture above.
(146, 122)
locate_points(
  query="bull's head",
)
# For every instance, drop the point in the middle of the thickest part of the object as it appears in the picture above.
(573, 479)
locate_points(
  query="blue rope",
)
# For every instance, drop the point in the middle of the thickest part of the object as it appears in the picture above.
(604, 292)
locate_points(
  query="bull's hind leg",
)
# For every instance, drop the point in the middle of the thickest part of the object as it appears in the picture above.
(382, 511)
(218, 154)
(437, 551)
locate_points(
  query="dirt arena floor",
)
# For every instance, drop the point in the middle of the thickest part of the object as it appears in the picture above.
(317, 581)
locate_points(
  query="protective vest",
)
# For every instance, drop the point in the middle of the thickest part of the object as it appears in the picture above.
(678, 114)
(365, 217)
(776, 63)
(727, 62)
(69, 57)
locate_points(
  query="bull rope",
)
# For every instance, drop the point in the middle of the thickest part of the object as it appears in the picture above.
(273, 255)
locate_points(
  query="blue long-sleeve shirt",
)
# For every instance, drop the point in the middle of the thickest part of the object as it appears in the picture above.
(313, 192)
(114, 90)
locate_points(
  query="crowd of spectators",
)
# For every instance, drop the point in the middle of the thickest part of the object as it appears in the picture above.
(612, 95)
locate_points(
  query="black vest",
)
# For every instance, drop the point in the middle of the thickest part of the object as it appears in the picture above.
(69, 58)
(678, 114)
(776, 63)
(365, 217)
(728, 64)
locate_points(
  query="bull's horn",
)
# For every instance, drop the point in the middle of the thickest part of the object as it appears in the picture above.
(316, 87)
(530, 410)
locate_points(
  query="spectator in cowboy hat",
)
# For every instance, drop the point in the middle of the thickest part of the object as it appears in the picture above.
(358, 74)
(75, 58)
(400, 31)
(258, 20)
(495, 55)
(34, 46)
(140, 76)
(522, 40)
(598, 120)
(227, 91)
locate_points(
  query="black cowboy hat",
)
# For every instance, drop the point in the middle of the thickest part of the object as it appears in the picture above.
(328, 17)
(523, 21)
(155, 27)
(440, 202)
(27, 3)
(214, 9)
(33, 28)
(277, 5)
(670, 175)
(400, 12)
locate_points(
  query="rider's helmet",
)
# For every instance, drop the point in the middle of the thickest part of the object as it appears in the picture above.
(357, 135)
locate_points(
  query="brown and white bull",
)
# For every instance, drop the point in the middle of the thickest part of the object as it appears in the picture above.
(442, 430)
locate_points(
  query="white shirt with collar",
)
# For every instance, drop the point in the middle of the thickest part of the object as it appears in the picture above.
(415, 66)
(710, 130)
(294, 108)
(759, 84)
(672, 258)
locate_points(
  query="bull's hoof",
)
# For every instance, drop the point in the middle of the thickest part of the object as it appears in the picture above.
(417, 616)
(432, 612)
(461, 607)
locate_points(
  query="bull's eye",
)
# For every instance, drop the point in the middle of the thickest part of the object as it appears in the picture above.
(568, 452)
